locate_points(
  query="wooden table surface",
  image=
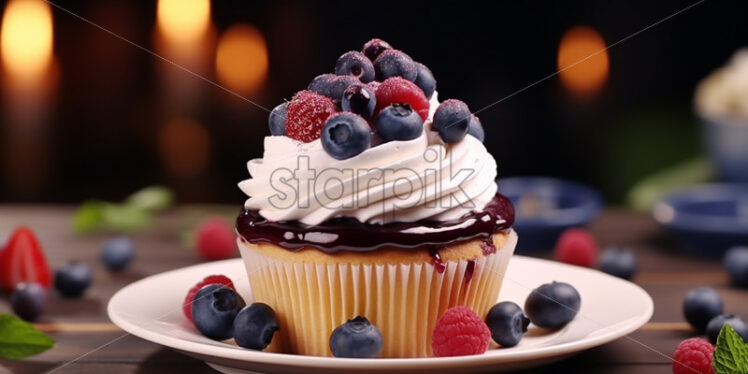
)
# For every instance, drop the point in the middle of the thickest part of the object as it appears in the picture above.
(82, 329)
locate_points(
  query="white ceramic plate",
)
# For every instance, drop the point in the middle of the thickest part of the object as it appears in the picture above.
(611, 308)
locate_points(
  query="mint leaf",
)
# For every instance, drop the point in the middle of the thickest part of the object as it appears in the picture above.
(124, 218)
(88, 217)
(731, 353)
(151, 199)
(18, 339)
(133, 214)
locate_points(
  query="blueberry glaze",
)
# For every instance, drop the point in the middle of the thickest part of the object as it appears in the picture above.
(348, 234)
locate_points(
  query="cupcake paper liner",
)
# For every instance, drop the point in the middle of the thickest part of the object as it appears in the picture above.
(404, 301)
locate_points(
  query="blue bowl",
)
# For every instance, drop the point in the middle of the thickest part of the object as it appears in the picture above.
(727, 144)
(545, 207)
(706, 219)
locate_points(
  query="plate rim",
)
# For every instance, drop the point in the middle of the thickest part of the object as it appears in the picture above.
(245, 355)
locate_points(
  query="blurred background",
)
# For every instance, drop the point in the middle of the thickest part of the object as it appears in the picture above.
(87, 115)
(626, 118)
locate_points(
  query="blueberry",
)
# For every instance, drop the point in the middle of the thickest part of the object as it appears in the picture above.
(618, 262)
(476, 129)
(425, 80)
(73, 279)
(345, 135)
(394, 63)
(322, 84)
(213, 311)
(700, 306)
(357, 338)
(254, 326)
(451, 120)
(736, 263)
(507, 322)
(373, 48)
(117, 253)
(28, 300)
(356, 64)
(398, 122)
(360, 99)
(715, 325)
(339, 84)
(553, 305)
(277, 120)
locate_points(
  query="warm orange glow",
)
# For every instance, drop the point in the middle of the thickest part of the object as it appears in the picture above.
(583, 60)
(242, 58)
(184, 146)
(183, 21)
(26, 39)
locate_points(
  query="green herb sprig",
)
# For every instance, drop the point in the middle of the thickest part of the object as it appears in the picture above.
(134, 213)
(19, 339)
(731, 353)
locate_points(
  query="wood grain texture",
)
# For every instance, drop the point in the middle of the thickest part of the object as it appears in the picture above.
(80, 326)
(76, 327)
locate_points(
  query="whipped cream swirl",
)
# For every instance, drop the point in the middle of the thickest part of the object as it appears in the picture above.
(397, 181)
(724, 93)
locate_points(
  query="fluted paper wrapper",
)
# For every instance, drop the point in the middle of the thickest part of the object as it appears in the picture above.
(404, 300)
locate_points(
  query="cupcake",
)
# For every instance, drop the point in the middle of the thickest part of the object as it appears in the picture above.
(721, 101)
(373, 199)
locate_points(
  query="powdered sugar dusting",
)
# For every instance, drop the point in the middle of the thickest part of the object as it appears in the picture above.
(307, 113)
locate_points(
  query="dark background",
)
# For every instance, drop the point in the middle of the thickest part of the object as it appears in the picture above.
(108, 104)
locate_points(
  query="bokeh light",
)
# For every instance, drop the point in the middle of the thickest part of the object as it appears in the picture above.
(184, 147)
(26, 38)
(183, 21)
(242, 58)
(583, 60)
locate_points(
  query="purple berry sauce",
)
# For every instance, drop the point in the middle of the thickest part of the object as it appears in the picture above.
(348, 234)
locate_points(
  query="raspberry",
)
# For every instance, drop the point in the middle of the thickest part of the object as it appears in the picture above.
(400, 90)
(693, 356)
(576, 246)
(216, 240)
(211, 279)
(307, 113)
(460, 332)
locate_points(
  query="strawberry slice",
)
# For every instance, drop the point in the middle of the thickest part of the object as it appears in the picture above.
(211, 279)
(23, 261)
